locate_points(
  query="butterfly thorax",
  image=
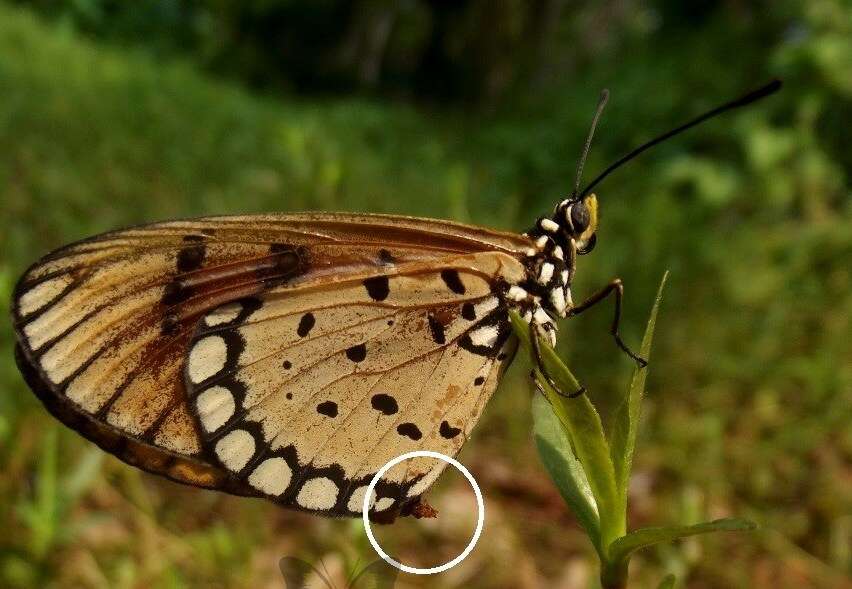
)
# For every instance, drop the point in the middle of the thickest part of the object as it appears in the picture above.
(551, 261)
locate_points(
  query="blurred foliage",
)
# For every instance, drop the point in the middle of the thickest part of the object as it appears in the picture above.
(109, 115)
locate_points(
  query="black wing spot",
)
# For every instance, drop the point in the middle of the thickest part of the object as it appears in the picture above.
(176, 292)
(191, 256)
(478, 380)
(357, 353)
(452, 280)
(385, 258)
(409, 430)
(284, 262)
(468, 312)
(384, 403)
(287, 365)
(171, 324)
(327, 408)
(377, 287)
(447, 431)
(289, 396)
(306, 324)
(437, 330)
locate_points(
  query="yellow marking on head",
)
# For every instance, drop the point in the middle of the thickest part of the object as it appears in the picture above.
(591, 202)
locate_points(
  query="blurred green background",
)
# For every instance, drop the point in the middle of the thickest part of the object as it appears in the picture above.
(115, 113)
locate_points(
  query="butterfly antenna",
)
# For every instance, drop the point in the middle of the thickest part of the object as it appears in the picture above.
(747, 99)
(601, 104)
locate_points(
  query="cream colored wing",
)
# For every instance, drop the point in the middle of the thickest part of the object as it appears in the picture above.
(306, 393)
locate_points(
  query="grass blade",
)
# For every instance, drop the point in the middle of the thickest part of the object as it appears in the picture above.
(667, 583)
(625, 421)
(554, 449)
(621, 549)
(583, 427)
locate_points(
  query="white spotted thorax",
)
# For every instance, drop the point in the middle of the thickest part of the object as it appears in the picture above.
(551, 263)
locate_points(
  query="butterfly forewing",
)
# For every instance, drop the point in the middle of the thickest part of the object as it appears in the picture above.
(327, 343)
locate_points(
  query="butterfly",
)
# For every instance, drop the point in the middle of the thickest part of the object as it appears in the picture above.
(376, 575)
(291, 356)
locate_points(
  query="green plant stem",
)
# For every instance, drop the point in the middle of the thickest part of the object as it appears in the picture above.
(614, 574)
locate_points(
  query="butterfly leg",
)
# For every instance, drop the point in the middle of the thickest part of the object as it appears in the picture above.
(617, 288)
(536, 348)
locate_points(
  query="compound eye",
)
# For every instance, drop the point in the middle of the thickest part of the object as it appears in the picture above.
(589, 245)
(579, 217)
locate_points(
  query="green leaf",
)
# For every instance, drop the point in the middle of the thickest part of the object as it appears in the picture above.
(667, 583)
(625, 422)
(583, 426)
(554, 449)
(621, 549)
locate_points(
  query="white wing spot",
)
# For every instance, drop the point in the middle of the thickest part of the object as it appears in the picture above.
(215, 407)
(356, 501)
(516, 293)
(486, 306)
(272, 476)
(206, 358)
(484, 336)
(318, 494)
(384, 503)
(224, 314)
(235, 449)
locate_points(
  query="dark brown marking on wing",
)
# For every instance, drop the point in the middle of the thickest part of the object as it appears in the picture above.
(327, 408)
(384, 403)
(306, 324)
(377, 287)
(191, 256)
(386, 258)
(409, 430)
(447, 431)
(468, 311)
(357, 353)
(452, 280)
(437, 330)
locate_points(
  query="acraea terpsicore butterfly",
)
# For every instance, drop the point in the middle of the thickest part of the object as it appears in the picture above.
(290, 356)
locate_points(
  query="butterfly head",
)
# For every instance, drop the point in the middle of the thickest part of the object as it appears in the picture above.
(578, 220)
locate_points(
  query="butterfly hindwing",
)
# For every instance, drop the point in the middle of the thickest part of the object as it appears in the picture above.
(109, 334)
(310, 393)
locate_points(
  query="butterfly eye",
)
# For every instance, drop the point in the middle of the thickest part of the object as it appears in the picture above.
(578, 216)
(588, 246)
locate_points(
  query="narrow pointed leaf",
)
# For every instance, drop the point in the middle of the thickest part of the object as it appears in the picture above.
(667, 583)
(554, 449)
(621, 549)
(625, 423)
(582, 423)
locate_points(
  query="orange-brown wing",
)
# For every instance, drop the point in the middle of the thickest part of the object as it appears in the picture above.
(104, 325)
